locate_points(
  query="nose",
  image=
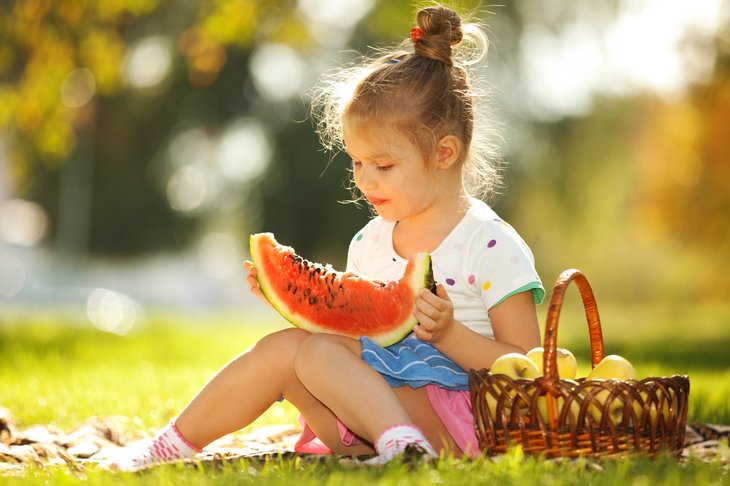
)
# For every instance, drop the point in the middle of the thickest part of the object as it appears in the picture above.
(365, 177)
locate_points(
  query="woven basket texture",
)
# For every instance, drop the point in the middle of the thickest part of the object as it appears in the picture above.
(557, 417)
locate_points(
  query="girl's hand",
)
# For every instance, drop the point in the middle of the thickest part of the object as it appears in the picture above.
(253, 281)
(435, 314)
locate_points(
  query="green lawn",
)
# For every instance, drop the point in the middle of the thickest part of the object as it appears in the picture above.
(57, 369)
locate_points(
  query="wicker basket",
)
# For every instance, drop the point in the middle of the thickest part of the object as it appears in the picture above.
(578, 418)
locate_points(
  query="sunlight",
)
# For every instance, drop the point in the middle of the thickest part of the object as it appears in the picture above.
(334, 13)
(111, 311)
(644, 43)
(279, 72)
(656, 45)
(78, 88)
(148, 62)
(24, 223)
(244, 150)
(186, 190)
(191, 146)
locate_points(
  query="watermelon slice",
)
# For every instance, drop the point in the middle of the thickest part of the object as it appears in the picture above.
(319, 299)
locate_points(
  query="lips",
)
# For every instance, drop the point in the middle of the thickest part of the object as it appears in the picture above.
(375, 201)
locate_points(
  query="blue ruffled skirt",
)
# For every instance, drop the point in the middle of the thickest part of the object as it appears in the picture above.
(414, 363)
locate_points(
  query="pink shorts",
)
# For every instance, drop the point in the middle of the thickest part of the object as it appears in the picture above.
(452, 407)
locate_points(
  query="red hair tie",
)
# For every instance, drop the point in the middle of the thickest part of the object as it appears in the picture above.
(416, 34)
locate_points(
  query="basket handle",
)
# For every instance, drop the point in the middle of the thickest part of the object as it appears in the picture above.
(550, 362)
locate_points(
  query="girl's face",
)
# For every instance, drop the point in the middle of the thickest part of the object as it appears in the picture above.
(390, 172)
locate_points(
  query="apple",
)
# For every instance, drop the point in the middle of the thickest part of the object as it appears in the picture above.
(516, 366)
(560, 403)
(654, 406)
(567, 364)
(612, 367)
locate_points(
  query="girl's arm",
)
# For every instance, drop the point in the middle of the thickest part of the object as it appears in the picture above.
(514, 322)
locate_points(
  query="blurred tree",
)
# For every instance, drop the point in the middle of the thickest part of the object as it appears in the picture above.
(634, 192)
(637, 184)
(83, 137)
(681, 196)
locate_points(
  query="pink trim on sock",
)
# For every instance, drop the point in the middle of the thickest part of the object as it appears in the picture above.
(400, 441)
(183, 439)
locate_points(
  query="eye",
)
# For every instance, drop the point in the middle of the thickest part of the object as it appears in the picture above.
(356, 164)
(384, 168)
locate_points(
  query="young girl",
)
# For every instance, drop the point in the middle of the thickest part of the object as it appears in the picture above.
(408, 124)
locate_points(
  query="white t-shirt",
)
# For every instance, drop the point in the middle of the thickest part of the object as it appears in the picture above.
(480, 263)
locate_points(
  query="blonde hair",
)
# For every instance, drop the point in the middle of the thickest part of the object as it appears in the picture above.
(424, 89)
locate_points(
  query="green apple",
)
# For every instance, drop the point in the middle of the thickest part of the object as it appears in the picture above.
(653, 407)
(612, 367)
(516, 366)
(567, 364)
(574, 406)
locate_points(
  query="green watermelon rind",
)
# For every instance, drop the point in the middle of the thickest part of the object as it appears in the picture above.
(420, 277)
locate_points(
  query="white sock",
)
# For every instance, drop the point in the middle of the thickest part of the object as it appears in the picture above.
(395, 439)
(168, 446)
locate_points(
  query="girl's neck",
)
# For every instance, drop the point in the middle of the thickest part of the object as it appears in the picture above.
(427, 230)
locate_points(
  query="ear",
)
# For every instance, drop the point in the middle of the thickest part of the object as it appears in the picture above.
(448, 150)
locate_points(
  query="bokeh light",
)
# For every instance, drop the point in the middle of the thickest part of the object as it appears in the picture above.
(219, 255)
(279, 72)
(656, 45)
(186, 189)
(22, 222)
(148, 62)
(111, 311)
(78, 88)
(189, 147)
(334, 13)
(12, 275)
(244, 150)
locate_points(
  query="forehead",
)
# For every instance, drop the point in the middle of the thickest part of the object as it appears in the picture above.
(375, 139)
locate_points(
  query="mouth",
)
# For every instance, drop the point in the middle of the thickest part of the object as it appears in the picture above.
(375, 201)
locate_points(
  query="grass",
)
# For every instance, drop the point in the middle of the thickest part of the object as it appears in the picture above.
(56, 369)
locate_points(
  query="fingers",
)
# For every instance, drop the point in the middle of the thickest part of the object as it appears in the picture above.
(421, 333)
(432, 306)
(434, 313)
(253, 282)
(249, 266)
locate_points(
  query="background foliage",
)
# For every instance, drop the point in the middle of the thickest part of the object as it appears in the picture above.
(632, 188)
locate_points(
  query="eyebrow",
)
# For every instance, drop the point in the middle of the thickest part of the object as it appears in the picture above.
(378, 156)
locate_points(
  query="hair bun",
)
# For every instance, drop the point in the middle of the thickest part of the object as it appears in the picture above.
(442, 29)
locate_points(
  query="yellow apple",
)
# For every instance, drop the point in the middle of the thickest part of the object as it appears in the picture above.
(574, 407)
(653, 407)
(612, 367)
(567, 364)
(515, 365)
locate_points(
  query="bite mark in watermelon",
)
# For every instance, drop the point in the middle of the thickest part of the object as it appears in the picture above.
(317, 298)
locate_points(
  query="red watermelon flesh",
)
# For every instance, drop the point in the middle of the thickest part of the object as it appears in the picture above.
(319, 299)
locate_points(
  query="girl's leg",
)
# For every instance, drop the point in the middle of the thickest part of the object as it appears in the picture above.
(332, 370)
(240, 392)
(247, 386)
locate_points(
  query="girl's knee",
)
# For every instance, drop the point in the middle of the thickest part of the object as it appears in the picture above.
(280, 346)
(290, 338)
(322, 350)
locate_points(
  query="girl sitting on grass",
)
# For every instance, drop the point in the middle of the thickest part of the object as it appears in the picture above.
(407, 120)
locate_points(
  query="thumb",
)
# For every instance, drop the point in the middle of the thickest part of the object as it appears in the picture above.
(441, 291)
